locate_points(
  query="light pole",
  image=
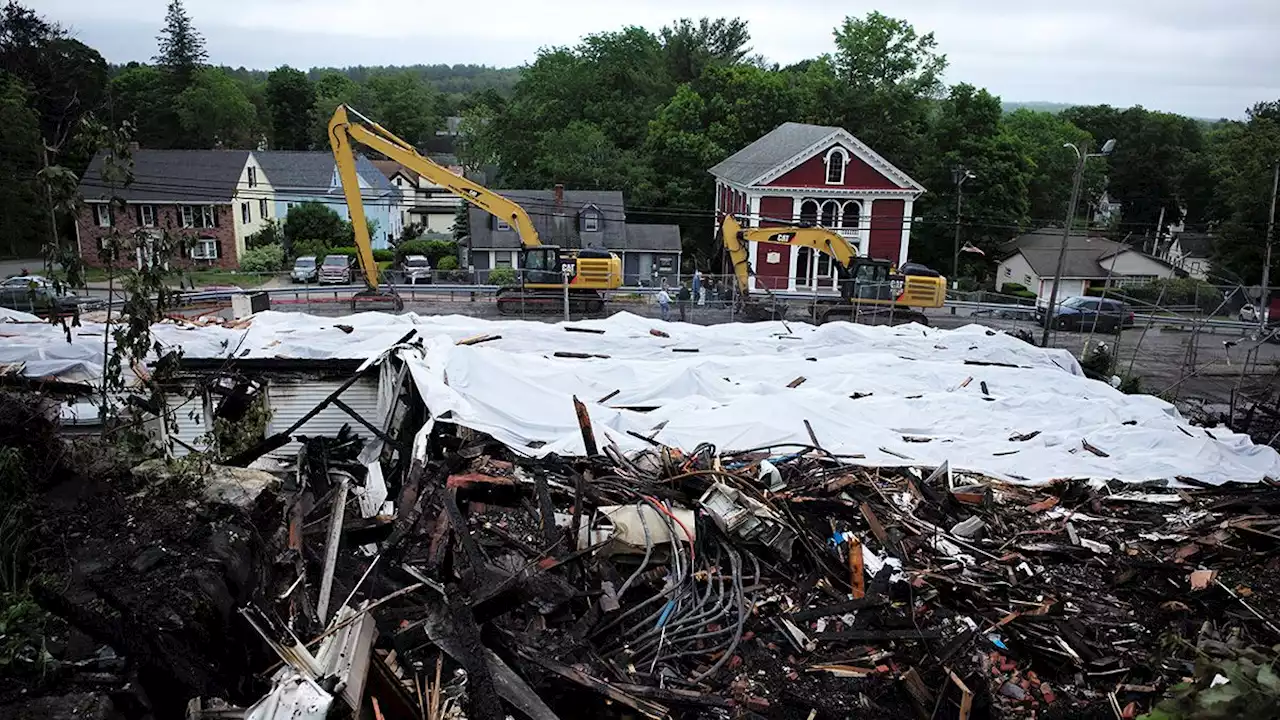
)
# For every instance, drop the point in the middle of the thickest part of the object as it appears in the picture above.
(1082, 156)
(958, 174)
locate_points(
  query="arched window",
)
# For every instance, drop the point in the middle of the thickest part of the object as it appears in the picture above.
(835, 167)
(809, 212)
(830, 214)
(852, 216)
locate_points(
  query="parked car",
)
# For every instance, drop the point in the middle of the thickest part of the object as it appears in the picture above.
(304, 270)
(336, 269)
(415, 269)
(1249, 313)
(26, 281)
(1085, 313)
(43, 301)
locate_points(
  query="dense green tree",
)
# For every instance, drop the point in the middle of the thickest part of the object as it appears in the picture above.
(334, 89)
(23, 224)
(181, 47)
(1242, 158)
(290, 97)
(405, 105)
(1041, 136)
(581, 156)
(214, 112)
(138, 95)
(690, 48)
(315, 221)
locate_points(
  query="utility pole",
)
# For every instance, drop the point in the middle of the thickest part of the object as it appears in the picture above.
(959, 174)
(1264, 301)
(1083, 151)
(1155, 249)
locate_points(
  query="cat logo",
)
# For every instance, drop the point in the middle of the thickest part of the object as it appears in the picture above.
(897, 285)
(783, 237)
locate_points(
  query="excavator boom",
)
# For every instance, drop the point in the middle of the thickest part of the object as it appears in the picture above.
(348, 127)
(735, 239)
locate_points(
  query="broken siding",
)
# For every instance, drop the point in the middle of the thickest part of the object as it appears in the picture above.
(290, 399)
(189, 424)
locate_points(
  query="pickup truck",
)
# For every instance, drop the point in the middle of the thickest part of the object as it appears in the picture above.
(336, 269)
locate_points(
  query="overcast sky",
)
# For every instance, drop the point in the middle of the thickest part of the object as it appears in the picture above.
(1206, 58)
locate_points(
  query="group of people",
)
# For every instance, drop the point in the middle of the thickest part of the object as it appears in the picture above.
(684, 296)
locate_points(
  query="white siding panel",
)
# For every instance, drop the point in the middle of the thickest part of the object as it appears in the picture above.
(189, 422)
(291, 399)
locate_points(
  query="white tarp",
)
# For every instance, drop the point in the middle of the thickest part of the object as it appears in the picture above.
(733, 392)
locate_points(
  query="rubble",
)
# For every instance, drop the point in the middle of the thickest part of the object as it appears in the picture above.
(435, 569)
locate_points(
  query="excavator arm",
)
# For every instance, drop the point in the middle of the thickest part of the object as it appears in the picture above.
(735, 239)
(348, 127)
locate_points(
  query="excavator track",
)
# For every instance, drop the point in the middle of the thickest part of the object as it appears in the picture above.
(874, 315)
(514, 301)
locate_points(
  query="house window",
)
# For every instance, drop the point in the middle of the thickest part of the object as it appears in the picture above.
(102, 214)
(809, 212)
(852, 216)
(502, 258)
(1008, 272)
(253, 176)
(262, 208)
(244, 213)
(500, 224)
(207, 218)
(830, 214)
(835, 167)
(205, 249)
(147, 215)
(188, 216)
(1026, 281)
(591, 221)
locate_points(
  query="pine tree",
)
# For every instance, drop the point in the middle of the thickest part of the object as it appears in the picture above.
(181, 46)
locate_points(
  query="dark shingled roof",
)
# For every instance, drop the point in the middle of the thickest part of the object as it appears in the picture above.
(775, 148)
(1196, 244)
(1084, 257)
(656, 238)
(313, 170)
(541, 206)
(182, 176)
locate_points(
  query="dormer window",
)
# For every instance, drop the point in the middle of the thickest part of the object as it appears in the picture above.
(590, 221)
(835, 166)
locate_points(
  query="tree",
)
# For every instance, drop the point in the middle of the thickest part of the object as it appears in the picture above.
(290, 98)
(333, 89)
(64, 79)
(22, 222)
(404, 105)
(582, 157)
(1040, 137)
(181, 50)
(215, 113)
(462, 222)
(138, 95)
(1242, 157)
(884, 76)
(690, 48)
(315, 221)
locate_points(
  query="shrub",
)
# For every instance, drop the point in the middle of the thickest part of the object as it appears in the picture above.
(435, 250)
(268, 258)
(502, 276)
(348, 251)
(271, 234)
(448, 262)
(1017, 290)
(383, 255)
(318, 248)
(1176, 291)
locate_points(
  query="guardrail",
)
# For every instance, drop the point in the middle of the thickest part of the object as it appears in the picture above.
(1139, 318)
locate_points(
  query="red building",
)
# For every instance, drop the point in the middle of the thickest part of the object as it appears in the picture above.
(811, 174)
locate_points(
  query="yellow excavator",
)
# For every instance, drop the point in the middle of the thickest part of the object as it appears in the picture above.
(588, 271)
(871, 291)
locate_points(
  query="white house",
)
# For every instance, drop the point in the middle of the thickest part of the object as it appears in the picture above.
(1030, 260)
(423, 203)
(1190, 252)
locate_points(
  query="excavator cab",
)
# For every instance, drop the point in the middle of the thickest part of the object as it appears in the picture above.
(542, 266)
(868, 280)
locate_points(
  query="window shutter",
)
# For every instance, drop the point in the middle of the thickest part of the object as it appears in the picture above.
(137, 210)
(214, 208)
(217, 249)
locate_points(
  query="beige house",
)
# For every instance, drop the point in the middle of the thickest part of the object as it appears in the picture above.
(1090, 261)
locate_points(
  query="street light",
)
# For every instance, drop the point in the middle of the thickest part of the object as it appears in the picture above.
(1082, 157)
(958, 175)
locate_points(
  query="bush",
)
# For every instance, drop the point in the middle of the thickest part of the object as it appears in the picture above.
(268, 258)
(502, 276)
(1017, 290)
(271, 234)
(301, 248)
(348, 251)
(383, 255)
(435, 250)
(448, 262)
(1176, 291)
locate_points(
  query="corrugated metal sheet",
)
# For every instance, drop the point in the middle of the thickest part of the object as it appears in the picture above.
(291, 399)
(189, 422)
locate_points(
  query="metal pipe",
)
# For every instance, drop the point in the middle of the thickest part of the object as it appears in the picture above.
(1066, 236)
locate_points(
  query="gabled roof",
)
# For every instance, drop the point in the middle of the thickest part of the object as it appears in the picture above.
(791, 143)
(312, 171)
(541, 206)
(1195, 244)
(1085, 257)
(656, 238)
(194, 176)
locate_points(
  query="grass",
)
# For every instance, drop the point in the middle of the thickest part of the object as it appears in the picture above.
(201, 278)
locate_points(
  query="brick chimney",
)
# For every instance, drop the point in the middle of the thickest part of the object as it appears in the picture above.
(559, 198)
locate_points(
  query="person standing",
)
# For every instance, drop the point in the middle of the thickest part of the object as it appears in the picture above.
(682, 301)
(697, 281)
(664, 303)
